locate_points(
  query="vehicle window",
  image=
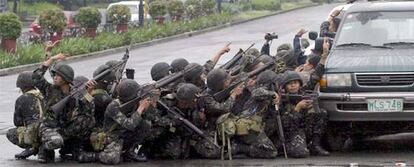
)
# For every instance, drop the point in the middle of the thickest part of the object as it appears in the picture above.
(377, 28)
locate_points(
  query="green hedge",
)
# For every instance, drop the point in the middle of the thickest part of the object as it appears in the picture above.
(75, 46)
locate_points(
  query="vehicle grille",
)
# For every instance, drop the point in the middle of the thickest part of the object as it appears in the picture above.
(385, 79)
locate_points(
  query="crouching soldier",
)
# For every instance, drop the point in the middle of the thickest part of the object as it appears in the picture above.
(246, 130)
(123, 128)
(303, 126)
(69, 128)
(28, 110)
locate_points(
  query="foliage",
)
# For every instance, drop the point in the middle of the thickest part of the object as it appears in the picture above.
(88, 17)
(175, 7)
(53, 20)
(266, 5)
(193, 8)
(157, 8)
(10, 26)
(119, 14)
(208, 6)
(35, 8)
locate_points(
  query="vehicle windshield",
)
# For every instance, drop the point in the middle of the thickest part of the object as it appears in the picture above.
(377, 29)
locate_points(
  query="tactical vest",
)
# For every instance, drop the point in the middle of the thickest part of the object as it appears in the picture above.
(29, 134)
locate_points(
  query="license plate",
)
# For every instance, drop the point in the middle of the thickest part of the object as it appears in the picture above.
(385, 105)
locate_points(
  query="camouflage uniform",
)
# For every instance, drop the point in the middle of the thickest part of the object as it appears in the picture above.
(179, 142)
(255, 143)
(123, 129)
(74, 123)
(304, 129)
(28, 110)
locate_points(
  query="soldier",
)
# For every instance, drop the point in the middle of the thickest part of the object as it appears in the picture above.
(329, 27)
(218, 80)
(180, 141)
(248, 135)
(299, 45)
(27, 114)
(123, 129)
(101, 97)
(67, 127)
(196, 76)
(303, 127)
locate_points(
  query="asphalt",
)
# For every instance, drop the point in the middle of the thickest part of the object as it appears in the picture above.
(199, 49)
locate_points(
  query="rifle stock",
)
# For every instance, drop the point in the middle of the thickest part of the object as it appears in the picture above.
(119, 72)
(231, 63)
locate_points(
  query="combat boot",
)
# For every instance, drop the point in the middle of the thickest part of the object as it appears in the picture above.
(26, 153)
(46, 156)
(137, 157)
(87, 157)
(316, 148)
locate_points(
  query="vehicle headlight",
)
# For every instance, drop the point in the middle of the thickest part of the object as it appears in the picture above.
(338, 80)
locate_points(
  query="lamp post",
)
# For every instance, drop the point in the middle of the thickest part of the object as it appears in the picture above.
(141, 13)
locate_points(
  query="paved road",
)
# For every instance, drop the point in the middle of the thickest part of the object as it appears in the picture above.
(199, 49)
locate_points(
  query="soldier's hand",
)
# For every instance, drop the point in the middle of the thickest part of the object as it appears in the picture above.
(276, 99)
(301, 32)
(50, 45)
(90, 86)
(59, 56)
(304, 104)
(225, 49)
(251, 83)
(237, 91)
(143, 105)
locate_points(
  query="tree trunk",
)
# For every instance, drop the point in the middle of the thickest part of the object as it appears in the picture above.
(15, 2)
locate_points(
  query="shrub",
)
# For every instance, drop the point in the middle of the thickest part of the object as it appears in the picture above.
(208, 6)
(157, 8)
(119, 14)
(88, 17)
(176, 8)
(10, 26)
(53, 20)
(193, 8)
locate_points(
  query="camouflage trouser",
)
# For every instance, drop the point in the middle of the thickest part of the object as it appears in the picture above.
(80, 128)
(13, 138)
(112, 152)
(255, 146)
(50, 138)
(177, 146)
(300, 129)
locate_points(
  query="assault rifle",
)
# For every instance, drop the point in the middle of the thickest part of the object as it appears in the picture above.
(224, 94)
(119, 72)
(232, 62)
(175, 114)
(280, 130)
(146, 89)
(80, 90)
(314, 96)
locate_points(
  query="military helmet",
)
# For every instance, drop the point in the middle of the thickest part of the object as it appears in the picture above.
(194, 73)
(178, 65)
(112, 63)
(160, 70)
(65, 71)
(128, 89)
(289, 76)
(187, 92)
(79, 80)
(314, 59)
(266, 59)
(108, 78)
(285, 46)
(266, 77)
(25, 80)
(216, 79)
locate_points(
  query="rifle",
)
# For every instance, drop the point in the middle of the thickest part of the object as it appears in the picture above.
(175, 114)
(231, 63)
(80, 90)
(224, 94)
(310, 95)
(146, 89)
(280, 130)
(119, 72)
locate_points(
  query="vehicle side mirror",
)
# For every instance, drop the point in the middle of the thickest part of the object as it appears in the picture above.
(313, 35)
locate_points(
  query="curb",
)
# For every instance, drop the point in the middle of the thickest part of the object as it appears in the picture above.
(18, 69)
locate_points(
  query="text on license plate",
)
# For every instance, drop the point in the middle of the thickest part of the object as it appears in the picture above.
(385, 105)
